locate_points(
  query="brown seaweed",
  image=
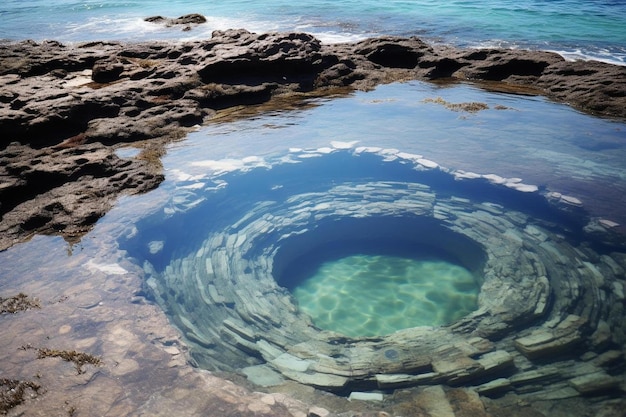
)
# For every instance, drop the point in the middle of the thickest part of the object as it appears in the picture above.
(13, 391)
(20, 302)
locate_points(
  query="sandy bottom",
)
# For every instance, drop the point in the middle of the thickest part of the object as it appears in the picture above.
(368, 295)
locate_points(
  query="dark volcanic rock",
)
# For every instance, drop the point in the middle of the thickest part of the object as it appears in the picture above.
(106, 72)
(59, 101)
(393, 52)
(277, 58)
(187, 20)
(64, 189)
(194, 18)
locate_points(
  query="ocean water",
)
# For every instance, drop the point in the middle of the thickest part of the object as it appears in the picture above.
(577, 29)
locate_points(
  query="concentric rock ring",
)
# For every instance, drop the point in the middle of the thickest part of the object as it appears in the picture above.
(540, 295)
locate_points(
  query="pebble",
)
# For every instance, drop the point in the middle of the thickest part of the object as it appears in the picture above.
(172, 350)
(318, 412)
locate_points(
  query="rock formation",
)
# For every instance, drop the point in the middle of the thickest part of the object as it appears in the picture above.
(65, 108)
(188, 19)
(549, 323)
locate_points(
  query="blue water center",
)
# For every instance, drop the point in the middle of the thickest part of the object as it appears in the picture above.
(368, 295)
(376, 275)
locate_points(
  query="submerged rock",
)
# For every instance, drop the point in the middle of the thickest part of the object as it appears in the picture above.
(93, 96)
(547, 325)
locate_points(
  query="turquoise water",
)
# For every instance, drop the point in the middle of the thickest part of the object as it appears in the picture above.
(369, 295)
(575, 28)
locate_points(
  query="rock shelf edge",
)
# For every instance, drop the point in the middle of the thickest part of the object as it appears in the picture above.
(64, 109)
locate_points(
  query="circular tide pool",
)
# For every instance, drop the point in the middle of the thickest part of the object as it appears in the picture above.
(228, 255)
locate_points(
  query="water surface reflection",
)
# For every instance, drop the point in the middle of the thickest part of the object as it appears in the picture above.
(531, 138)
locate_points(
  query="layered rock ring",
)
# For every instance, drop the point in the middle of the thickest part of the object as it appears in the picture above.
(547, 283)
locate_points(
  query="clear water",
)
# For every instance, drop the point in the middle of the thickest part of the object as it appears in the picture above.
(369, 295)
(226, 176)
(545, 144)
(575, 28)
(528, 138)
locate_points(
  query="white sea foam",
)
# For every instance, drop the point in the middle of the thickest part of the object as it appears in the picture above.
(600, 55)
(574, 54)
(135, 28)
(337, 37)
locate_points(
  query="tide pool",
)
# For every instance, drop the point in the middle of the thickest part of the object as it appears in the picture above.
(548, 145)
(230, 186)
(203, 250)
(400, 161)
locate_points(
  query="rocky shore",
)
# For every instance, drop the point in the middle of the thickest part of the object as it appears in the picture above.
(65, 109)
(65, 112)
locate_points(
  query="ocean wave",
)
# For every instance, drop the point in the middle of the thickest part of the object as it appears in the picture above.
(610, 57)
(615, 56)
(137, 29)
(585, 32)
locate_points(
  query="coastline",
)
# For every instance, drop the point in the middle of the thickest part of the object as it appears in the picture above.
(68, 107)
(71, 107)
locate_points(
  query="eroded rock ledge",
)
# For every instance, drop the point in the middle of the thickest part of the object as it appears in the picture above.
(64, 109)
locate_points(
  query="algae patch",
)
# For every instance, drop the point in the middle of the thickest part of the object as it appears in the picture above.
(20, 302)
(80, 359)
(471, 107)
(13, 392)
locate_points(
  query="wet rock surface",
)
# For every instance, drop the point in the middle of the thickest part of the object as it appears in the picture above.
(68, 106)
(64, 189)
(140, 369)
